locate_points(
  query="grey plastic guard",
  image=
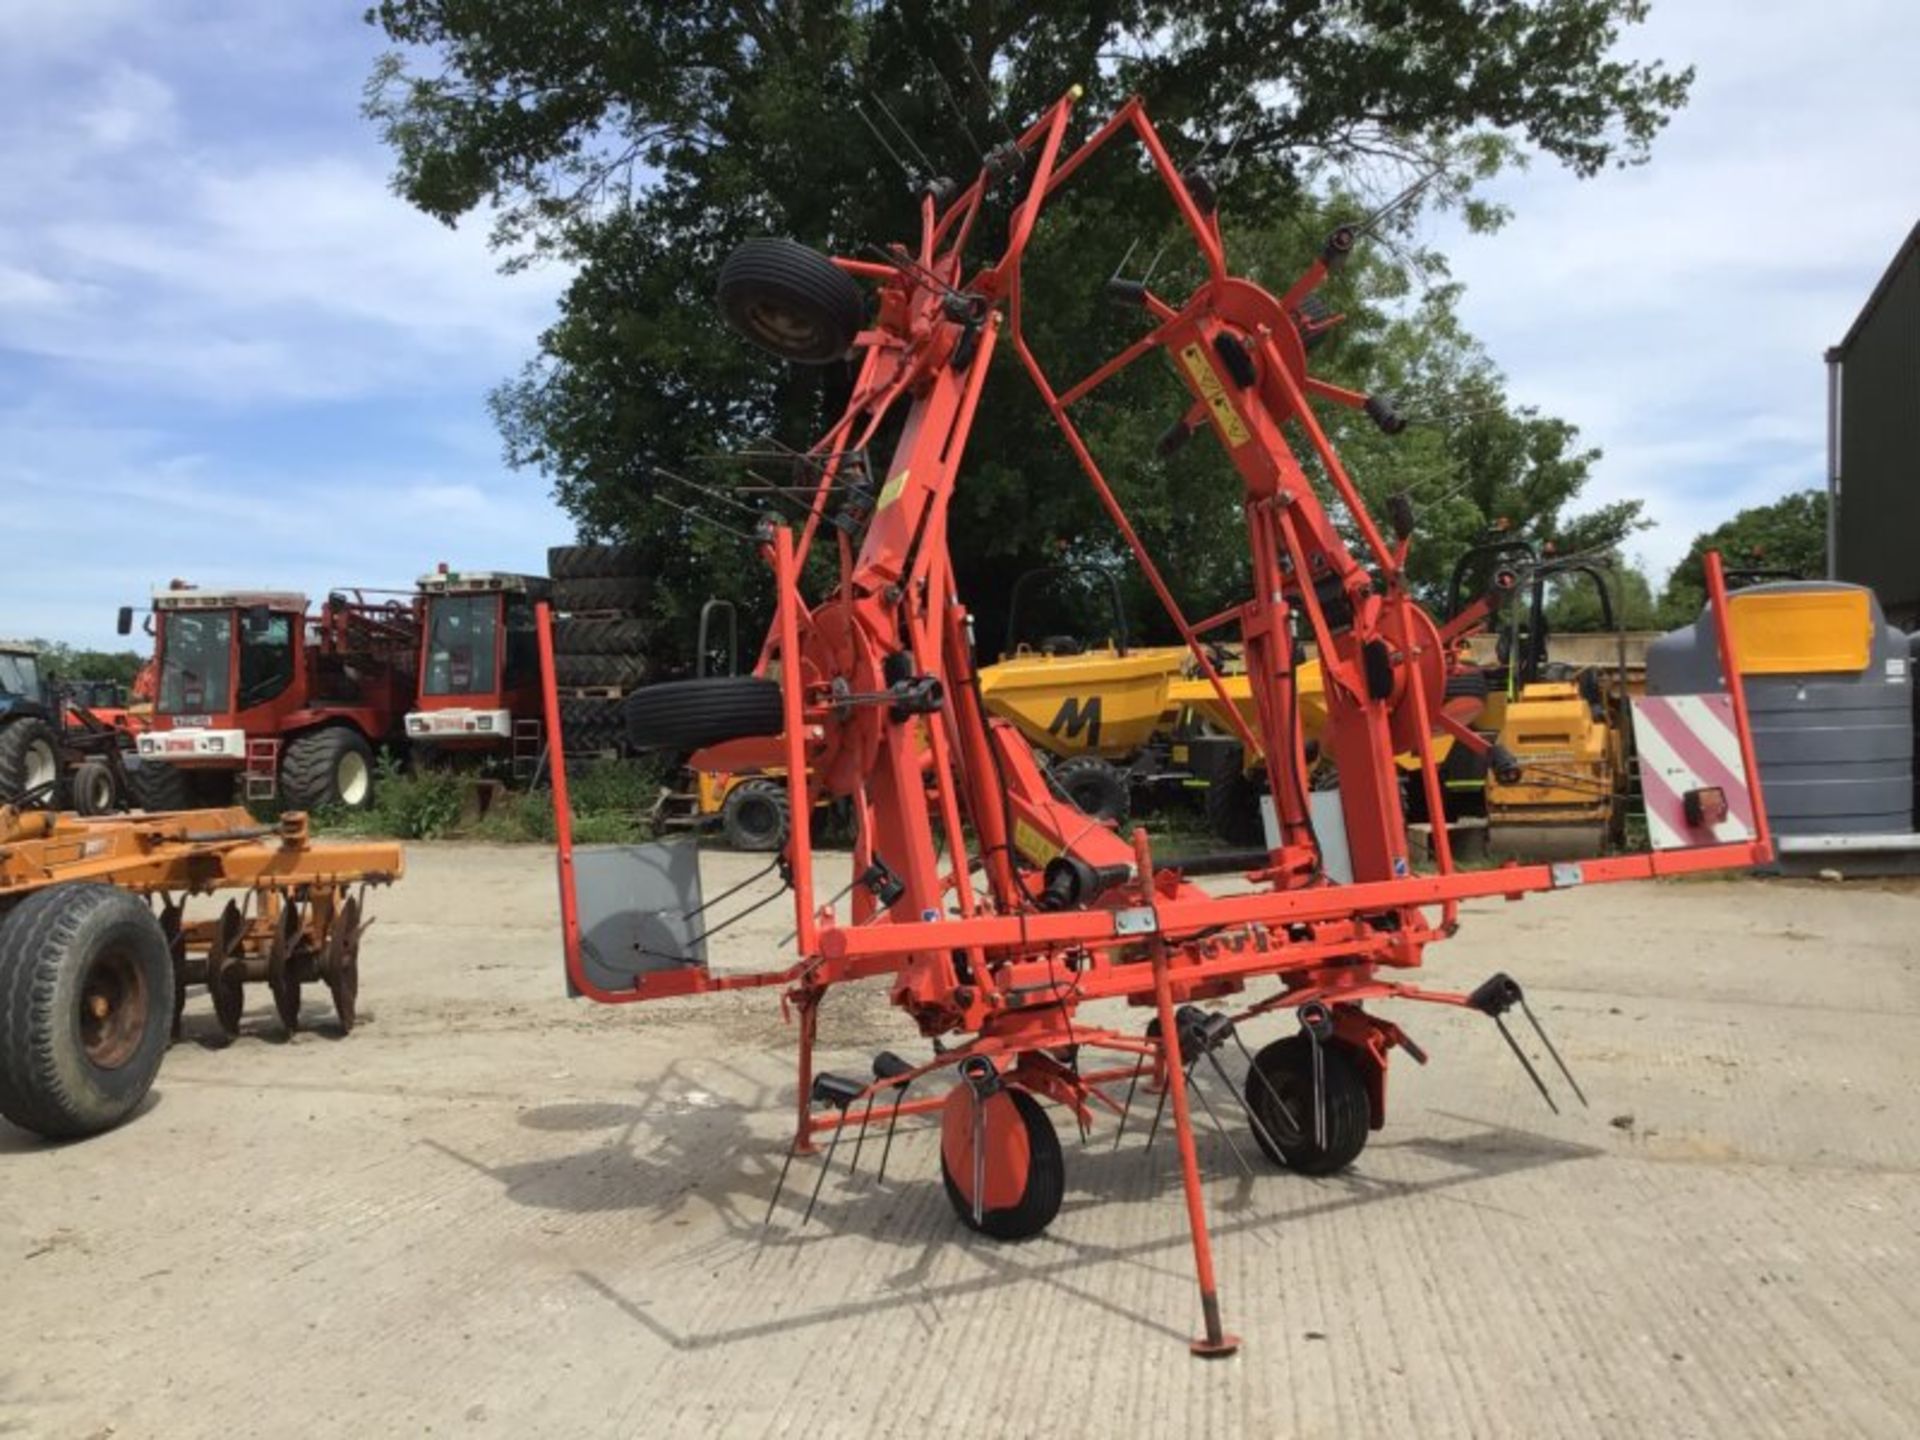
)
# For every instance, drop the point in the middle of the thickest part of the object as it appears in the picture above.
(639, 910)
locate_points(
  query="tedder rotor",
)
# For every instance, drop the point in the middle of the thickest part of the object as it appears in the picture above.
(97, 952)
(996, 909)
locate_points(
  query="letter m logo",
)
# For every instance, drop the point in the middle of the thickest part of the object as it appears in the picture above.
(1076, 716)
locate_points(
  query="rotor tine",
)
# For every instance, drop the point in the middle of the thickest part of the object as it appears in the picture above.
(979, 1159)
(1197, 1089)
(1266, 1085)
(900, 1094)
(853, 1165)
(1525, 1064)
(1158, 1110)
(1319, 1094)
(911, 144)
(1252, 1119)
(778, 1186)
(1539, 1030)
(825, 1166)
(1133, 1083)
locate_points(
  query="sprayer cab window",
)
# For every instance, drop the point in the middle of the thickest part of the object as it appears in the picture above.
(196, 662)
(461, 644)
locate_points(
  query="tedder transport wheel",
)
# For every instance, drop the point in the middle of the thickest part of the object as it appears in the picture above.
(756, 816)
(686, 714)
(791, 300)
(1095, 787)
(330, 766)
(94, 792)
(1284, 1104)
(594, 562)
(29, 763)
(86, 1004)
(1024, 1177)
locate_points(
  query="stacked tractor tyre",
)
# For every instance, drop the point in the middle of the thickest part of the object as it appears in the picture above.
(598, 642)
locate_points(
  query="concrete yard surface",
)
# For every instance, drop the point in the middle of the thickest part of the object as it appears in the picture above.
(493, 1211)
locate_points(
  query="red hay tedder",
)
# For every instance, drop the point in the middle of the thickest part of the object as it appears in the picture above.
(997, 908)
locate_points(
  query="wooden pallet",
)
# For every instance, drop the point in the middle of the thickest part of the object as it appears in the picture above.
(593, 692)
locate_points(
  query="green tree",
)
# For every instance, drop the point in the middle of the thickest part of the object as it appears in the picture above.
(1789, 535)
(61, 661)
(641, 141)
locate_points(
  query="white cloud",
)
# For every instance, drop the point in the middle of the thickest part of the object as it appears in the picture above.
(1678, 312)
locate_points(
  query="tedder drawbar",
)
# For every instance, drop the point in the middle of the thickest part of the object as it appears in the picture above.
(997, 909)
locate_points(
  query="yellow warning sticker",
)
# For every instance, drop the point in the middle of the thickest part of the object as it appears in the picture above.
(1032, 844)
(1207, 380)
(892, 489)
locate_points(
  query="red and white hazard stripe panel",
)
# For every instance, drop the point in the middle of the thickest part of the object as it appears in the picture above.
(1691, 778)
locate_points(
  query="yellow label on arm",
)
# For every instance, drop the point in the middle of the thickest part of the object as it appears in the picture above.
(891, 492)
(1207, 380)
(1032, 844)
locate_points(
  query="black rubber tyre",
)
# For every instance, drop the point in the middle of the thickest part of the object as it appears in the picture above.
(1095, 787)
(591, 725)
(1046, 1181)
(330, 767)
(623, 670)
(791, 301)
(158, 787)
(686, 714)
(1288, 1067)
(594, 562)
(94, 789)
(1467, 682)
(29, 763)
(86, 1009)
(757, 817)
(599, 637)
(600, 592)
(1233, 801)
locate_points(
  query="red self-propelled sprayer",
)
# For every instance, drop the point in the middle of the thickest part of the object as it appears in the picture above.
(997, 908)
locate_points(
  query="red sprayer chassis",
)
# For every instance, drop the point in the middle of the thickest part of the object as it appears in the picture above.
(997, 908)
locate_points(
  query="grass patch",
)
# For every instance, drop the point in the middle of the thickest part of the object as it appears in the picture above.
(609, 798)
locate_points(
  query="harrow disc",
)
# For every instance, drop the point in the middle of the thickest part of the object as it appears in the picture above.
(225, 970)
(172, 926)
(283, 966)
(340, 963)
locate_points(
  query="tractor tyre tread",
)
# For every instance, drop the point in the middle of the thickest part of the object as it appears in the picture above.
(762, 839)
(600, 636)
(1095, 787)
(17, 741)
(159, 787)
(594, 562)
(623, 593)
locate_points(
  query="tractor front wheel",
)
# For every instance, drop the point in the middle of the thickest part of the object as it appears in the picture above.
(94, 790)
(327, 768)
(86, 1006)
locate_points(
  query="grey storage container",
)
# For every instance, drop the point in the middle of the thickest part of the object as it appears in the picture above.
(1835, 747)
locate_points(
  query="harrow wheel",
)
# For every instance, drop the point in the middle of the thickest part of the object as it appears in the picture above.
(340, 963)
(226, 971)
(284, 961)
(1279, 1091)
(1023, 1175)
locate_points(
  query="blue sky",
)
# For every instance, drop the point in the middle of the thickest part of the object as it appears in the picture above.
(228, 353)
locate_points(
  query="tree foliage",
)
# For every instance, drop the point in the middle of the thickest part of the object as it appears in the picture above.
(639, 142)
(1789, 535)
(60, 661)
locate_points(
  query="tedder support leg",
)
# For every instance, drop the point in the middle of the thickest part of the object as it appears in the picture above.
(1216, 1344)
(809, 1003)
